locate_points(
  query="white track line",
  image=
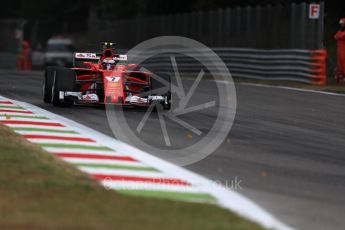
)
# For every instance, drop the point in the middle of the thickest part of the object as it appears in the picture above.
(47, 141)
(294, 89)
(39, 126)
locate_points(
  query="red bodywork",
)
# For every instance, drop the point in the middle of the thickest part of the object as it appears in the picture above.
(114, 84)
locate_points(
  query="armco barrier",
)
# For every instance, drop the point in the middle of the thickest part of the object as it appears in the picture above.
(308, 66)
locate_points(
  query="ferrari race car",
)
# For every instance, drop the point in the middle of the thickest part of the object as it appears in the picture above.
(104, 78)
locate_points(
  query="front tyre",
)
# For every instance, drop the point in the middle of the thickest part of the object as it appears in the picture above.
(48, 84)
(63, 80)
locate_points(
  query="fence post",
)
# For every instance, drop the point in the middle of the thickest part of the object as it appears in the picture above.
(320, 27)
(311, 37)
(194, 25)
(258, 21)
(227, 27)
(278, 24)
(212, 30)
(200, 26)
(177, 24)
(186, 25)
(302, 25)
(269, 27)
(163, 23)
(248, 15)
(292, 25)
(238, 27)
(220, 26)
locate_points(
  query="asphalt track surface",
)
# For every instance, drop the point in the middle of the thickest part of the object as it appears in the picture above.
(286, 147)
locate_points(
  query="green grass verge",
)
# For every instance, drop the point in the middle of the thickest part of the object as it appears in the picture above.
(39, 191)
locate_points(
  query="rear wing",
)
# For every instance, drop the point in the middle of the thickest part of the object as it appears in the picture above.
(79, 58)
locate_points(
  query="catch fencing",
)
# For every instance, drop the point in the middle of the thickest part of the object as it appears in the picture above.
(262, 42)
(260, 27)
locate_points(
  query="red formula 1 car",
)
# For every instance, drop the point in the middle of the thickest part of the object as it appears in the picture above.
(104, 78)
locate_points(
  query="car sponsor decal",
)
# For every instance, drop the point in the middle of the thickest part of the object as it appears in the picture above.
(86, 56)
(121, 57)
(113, 79)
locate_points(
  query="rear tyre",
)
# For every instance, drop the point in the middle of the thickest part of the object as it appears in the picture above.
(161, 89)
(48, 84)
(63, 80)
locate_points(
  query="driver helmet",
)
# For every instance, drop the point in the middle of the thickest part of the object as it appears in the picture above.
(342, 21)
(108, 63)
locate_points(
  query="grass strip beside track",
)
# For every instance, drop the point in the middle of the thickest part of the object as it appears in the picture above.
(172, 195)
(43, 130)
(39, 191)
(9, 116)
(11, 107)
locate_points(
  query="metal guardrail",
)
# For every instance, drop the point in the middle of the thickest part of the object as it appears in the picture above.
(308, 66)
